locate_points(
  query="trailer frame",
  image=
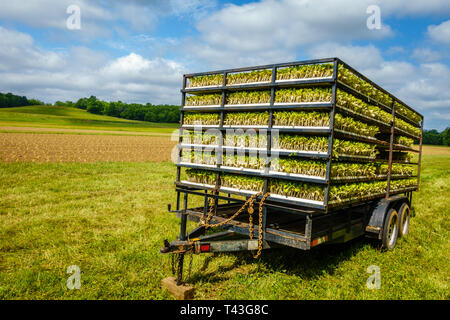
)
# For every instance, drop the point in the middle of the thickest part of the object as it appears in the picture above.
(356, 217)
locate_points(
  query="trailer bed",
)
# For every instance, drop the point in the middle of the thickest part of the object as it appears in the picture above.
(291, 229)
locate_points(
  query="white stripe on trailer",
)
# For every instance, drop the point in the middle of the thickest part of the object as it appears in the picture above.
(300, 151)
(295, 127)
(277, 196)
(304, 79)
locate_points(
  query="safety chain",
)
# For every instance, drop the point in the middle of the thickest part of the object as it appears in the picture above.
(209, 216)
(260, 234)
(212, 207)
(250, 201)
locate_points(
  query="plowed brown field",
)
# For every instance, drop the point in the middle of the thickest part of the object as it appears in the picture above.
(16, 147)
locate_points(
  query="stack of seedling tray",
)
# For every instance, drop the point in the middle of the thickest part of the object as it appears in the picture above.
(316, 134)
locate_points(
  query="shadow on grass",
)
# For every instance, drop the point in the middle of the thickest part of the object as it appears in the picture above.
(304, 264)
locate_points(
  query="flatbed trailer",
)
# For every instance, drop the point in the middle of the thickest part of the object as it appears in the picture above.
(284, 220)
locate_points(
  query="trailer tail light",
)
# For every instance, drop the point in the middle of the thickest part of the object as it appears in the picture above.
(320, 240)
(205, 247)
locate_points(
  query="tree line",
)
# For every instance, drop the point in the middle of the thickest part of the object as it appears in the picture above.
(436, 138)
(131, 111)
(157, 113)
(8, 100)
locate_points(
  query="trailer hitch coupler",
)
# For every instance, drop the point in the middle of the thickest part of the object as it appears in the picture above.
(166, 247)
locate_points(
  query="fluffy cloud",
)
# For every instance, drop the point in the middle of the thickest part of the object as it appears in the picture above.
(426, 55)
(357, 56)
(26, 68)
(274, 30)
(135, 75)
(269, 31)
(425, 90)
(100, 18)
(440, 33)
(18, 53)
(53, 14)
(416, 85)
(415, 7)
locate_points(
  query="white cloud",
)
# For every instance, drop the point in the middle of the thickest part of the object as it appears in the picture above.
(18, 53)
(356, 56)
(440, 33)
(414, 7)
(277, 29)
(268, 31)
(27, 69)
(426, 55)
(425, 87)
(395, 50)
(440, 116)
(100, 18)
(82, 59)
(53, 14)
(140, 74)
(429, 88)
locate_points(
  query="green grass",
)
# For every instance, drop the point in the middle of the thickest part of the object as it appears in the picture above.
(73, 118)
(110, 219)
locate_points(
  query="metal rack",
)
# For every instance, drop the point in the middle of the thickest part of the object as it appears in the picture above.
(330, 132)
(294, 222)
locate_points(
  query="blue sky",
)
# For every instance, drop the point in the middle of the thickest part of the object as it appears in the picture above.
(137, 50)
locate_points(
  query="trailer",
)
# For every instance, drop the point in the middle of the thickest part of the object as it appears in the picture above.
(336, 160)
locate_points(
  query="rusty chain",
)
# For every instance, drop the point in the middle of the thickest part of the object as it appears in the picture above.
(260, 243)
(250, 201)
(212, 206)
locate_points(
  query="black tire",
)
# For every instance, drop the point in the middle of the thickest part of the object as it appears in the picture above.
(390, 230)
(404, 216)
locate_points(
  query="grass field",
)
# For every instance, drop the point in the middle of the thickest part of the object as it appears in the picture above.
(110, 218)
(69, 119)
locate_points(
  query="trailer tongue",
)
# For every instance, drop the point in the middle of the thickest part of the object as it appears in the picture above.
(330, 161)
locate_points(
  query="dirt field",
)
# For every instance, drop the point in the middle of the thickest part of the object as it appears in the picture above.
(436, 150)
(24, 147)
(9, 129)
(48, 147)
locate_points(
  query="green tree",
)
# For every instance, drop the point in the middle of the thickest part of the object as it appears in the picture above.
(432, 137)
(81, 103)
(35, 102)
(446, 137)
(59, 104)
(95, 106)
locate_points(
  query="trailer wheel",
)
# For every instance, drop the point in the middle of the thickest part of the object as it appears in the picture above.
(404, 217)
(390, 230)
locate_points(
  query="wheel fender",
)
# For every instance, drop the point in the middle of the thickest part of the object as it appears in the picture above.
(374, 228)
